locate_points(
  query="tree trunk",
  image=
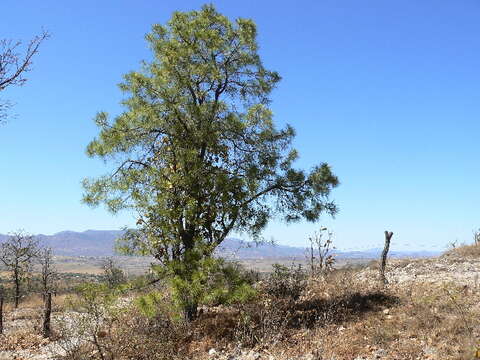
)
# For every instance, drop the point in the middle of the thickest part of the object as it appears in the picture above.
(46, 315)
(1, 313)
(17, 291)
(388, 237)
(190, 312)
(187, 239)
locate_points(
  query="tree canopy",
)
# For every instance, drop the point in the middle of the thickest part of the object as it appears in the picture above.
(196, 151)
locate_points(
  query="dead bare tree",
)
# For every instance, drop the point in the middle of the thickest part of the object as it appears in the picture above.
(17, 254)
(14, 65)
(383, 264)
(321, 246)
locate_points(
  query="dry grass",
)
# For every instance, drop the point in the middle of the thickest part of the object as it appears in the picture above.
(34, 302)
(465, 251)
(277, 321)
(343, 319)
(21, 340)
(335, 316)
(428, 323)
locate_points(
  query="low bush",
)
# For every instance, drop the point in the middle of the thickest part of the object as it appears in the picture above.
(285, 282)
(102, 326)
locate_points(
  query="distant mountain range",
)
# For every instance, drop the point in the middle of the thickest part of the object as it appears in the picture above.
(101, 243)
(86, 243)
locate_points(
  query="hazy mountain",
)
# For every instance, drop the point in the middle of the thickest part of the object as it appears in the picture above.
(101, 243)
(87, 243)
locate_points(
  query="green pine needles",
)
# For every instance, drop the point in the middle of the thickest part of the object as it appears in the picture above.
(196, 151)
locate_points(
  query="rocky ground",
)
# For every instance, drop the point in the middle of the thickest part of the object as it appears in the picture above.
(446, 268)
(430, 278)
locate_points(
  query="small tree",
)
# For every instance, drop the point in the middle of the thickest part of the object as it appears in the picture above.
(48, 270)
(14, 66)
(198, 153)
(113, 274)
(320, 252)
(17, 254)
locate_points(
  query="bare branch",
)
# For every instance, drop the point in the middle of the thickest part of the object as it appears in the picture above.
(14, 66)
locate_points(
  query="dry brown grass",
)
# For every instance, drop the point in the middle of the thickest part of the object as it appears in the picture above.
(35, 302)
(21, 340)
(428, 322)
(465, 251)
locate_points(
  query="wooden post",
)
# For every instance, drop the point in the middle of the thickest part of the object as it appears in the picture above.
(46, 315)
(388, 237)
(1, 312)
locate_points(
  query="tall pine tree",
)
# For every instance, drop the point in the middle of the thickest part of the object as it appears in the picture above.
(196, 149)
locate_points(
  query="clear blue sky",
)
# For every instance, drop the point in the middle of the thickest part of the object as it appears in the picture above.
(387, 92)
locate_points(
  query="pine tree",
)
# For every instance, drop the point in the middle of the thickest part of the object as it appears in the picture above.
(196, 149)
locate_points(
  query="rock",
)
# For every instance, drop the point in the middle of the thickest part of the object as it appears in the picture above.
(380, 354)
(212, 351)
(252, 355)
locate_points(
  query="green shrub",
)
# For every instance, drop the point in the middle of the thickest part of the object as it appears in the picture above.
(212, 282)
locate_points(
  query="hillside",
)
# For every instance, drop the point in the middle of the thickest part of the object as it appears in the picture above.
(429, 310)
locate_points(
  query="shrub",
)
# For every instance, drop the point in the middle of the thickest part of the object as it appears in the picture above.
(285, 282)
(213, 282)
(136, 336)
(263, 321)
(101, 328)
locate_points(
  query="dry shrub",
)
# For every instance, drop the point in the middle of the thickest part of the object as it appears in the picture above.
(122, 333)
(285, 282)
(215, 328)
(136, 336)
(262, 322)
